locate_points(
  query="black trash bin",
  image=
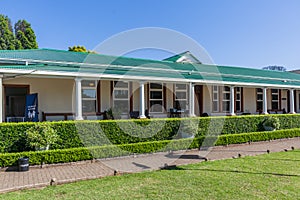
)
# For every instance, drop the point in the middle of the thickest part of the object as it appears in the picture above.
(23, 164)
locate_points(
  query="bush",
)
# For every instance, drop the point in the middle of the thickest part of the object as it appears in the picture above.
(88, 153)
(73, 134)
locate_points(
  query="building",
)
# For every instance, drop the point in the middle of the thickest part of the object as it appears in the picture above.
(73, 85)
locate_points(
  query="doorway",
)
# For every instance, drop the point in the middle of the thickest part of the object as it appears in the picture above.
(15, 100)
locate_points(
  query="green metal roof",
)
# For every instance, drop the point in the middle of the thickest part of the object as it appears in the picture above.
(66, 63)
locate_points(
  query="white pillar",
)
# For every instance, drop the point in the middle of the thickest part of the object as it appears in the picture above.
(1, 99)
(142, 100)
(292, 103)
(78, 99)
(191, 98)
(232, 101)
(265, 100)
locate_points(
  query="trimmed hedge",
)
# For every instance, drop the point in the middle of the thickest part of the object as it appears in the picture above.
(79, 154)
(75, 134)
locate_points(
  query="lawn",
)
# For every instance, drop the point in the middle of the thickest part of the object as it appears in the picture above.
(269, 176)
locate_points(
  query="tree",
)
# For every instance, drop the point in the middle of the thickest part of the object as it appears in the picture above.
(275, 68)
(78, 49)
(7, 39)
(25, 35)
(22, 37)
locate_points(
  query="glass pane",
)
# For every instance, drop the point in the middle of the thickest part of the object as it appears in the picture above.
(274, 97)
(180, 86)
(215, 106)
(215, 88)
(226, 88)
(226, 96)
(155, 86)
(180, 95)
(156, 95)
(121, 84)
(88, 105)
(238, 106)
(87, 83)
(274, 90)
(121, 105)
(259, 97)
(121, 94)
(226, 106)
(259, 105)
(88, 93)
(274, 105)
(215, 96)
(238, 96)
(259, 90)
(238, 89)
(181, 105)
(156, 106)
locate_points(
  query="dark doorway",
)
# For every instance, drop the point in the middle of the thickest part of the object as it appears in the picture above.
(15, 100)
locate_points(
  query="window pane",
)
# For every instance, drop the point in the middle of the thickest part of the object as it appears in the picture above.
(121, 105)
(180, 95)
(226, 88)
(238, 105)
(156, 106)
(226, 106)
(180, 86)
(121, 94)
(155, 86)
(259, 90)
(215, 88)
(181, 105)
(89, 105)
(238, 96)
(226, 96)
(121, 84)
(259, 97)
(259, 105)
(88, 93)
(215, 106)
(238, 89)
(156, 95)
(215, 96)
(274, 105)
(274, 90)
(86, 83)
(274, 97)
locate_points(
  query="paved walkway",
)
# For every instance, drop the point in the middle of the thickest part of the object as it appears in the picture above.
(40, 177)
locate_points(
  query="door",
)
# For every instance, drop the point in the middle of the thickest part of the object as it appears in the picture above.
(15, 100)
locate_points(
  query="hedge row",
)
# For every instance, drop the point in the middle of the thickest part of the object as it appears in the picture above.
(78, 154)
(97, 133)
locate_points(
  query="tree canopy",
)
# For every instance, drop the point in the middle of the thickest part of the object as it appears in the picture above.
(275, 68)
(22, 37)
(78, 49)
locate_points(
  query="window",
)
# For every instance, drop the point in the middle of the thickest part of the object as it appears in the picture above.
(238, 99)
(121, 96)
(181, 98)
(226, 99)
(275, 99)
(156, 97)
(259, 99)
(89, 96)
(215, 99)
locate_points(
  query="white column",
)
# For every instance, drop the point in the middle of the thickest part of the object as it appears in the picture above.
(78, 99)
(142, 100)
(265, 100)
(1, 99)
(232, 101)
(191, 98)
(292, 103)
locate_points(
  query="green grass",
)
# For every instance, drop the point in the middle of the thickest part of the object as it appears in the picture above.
(269, 176)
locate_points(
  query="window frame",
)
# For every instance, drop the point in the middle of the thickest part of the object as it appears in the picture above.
(152, 100)
(186, 99)
(83, 99)
(118, 88)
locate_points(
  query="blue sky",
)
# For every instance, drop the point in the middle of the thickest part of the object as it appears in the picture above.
(250, 33)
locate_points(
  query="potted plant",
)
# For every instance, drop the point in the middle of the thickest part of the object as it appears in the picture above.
(271, 123)
(40, 136)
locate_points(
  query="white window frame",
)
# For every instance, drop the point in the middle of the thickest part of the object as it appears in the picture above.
(92, 86)
(162, 96)
(259, 91)
(238, 93)
(183, 106)
(215, 90)
(117, 88)
(274, 100)
(224, 100)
